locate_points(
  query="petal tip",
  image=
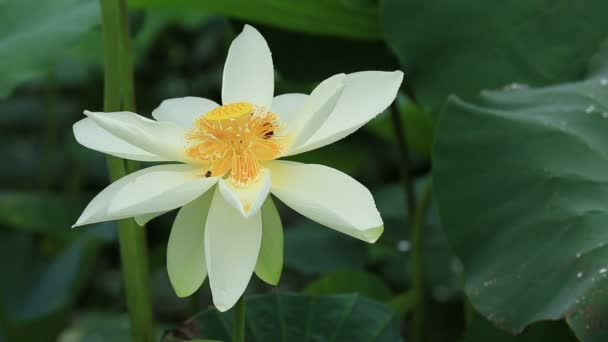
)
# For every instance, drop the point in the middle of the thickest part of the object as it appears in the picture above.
(76, 126)
(222, 307)
(183, 293)
(94, 116)
(372, 235)
(249, 30)
(81, 221)
(248, 27)
(270, 279)
(247, 210)
(399, 75)
(250, 210)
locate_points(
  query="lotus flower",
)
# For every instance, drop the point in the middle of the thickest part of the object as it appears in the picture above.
(225, 160)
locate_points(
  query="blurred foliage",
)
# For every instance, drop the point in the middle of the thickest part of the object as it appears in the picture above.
(554, 331)
(36, 295)
(326, 17)
(98, 327)
(364, 283)
(518, 172)
(418, 127)
(33, 35)
(332, 252)
(476, 45)
(294, 317)
(304, 58)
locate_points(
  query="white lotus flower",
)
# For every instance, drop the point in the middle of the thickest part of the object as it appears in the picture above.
(227, 165)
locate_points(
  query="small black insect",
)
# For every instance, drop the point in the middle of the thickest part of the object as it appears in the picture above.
(208, 174)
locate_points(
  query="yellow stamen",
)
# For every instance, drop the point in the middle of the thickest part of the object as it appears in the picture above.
(229, 111)
(235, 138)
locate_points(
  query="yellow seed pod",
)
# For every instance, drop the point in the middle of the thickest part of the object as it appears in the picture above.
(229, 111)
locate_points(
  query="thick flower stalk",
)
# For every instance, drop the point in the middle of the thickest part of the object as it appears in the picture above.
(227, 164)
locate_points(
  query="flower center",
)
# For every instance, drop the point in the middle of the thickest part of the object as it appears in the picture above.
(236, 137)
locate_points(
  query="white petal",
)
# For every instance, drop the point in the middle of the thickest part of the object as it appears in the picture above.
(247, 200)
(365, 95)
(327, 196)
(183, 111)
(89, 134)
(186, 248)
(232, 245)
(153, 189)
(142, 220)
(286, 105)
(315, 111)
(248, 72)
(165, 189)
(165, 139)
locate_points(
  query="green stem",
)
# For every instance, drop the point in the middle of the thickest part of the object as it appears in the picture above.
(119, 95)
(126, 70)
(125, 57)
(133, 253)
(417, 214)
(404, 160)
(238, 333)
(417, 239)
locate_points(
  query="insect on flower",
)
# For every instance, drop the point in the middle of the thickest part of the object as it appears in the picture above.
(227, 164)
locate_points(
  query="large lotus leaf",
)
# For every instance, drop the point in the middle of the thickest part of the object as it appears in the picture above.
(293, 317)
(460, 47)
(522, 185)
(481, 330)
